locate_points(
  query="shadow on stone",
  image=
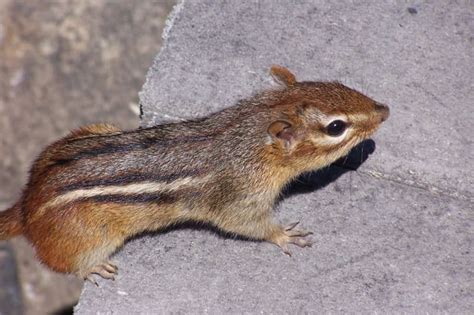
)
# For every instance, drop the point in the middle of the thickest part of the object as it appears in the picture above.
(316, 180)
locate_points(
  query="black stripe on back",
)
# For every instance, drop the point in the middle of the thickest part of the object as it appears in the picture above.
(133, 199)
(143, 144)
(129, 179)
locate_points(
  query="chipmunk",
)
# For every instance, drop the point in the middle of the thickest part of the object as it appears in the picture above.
(98, 186)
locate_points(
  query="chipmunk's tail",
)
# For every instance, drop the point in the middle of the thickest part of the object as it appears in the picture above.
(11, 222)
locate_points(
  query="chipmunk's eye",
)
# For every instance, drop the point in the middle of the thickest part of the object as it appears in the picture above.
(336, 128)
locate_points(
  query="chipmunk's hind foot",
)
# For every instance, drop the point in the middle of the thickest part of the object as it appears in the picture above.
(106, 270)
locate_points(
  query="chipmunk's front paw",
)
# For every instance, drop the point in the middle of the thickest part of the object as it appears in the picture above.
(289, 235)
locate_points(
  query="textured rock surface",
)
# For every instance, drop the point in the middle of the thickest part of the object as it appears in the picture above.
(10, 289)
(395, 236)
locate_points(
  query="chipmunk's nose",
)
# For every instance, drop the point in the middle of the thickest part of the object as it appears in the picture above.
(383, 111)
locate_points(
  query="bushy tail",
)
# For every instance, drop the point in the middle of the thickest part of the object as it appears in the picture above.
(11, 222)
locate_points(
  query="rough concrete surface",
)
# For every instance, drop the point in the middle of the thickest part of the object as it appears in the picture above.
(64, 64)
(396, 236)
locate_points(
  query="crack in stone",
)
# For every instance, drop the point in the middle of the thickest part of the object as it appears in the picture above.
(420, 185)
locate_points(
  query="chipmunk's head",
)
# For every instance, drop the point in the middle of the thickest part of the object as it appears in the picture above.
(316, 123)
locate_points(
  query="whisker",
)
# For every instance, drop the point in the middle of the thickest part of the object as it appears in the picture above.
(345, 159)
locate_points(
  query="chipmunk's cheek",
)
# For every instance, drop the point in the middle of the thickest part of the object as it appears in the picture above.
(308, 151)
(370, 128)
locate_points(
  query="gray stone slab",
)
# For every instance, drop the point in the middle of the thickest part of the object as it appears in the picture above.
(395, 236)
(10, 288)
(379, 246)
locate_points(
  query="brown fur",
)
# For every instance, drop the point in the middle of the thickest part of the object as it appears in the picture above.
(92, 190)
(10, 222)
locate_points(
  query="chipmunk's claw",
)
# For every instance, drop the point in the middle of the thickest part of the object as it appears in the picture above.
(91, 278)
(106, 270)
(290, 231)
(288, 235)
(291, 226)
(285, 249)
(110, 267)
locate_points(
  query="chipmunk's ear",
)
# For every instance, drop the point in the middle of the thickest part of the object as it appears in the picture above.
(282, 75)
(282, 131)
